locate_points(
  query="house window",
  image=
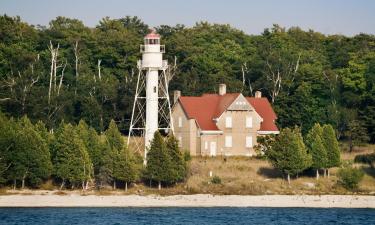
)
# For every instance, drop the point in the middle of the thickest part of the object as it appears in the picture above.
(205, 145)
(228, 122)
(249, 141)
(179, 121)
(249, 122)
(228, 141)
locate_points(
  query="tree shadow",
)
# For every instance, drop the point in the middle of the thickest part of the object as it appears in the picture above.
(369, 171)
(269, 172)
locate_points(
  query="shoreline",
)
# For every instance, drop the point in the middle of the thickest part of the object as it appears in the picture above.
(198, 200)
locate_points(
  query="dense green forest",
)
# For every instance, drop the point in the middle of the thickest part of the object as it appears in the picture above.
(68, 72)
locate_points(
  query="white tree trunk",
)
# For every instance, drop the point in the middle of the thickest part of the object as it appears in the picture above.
(99, 75)
(288, 178)
(52, 78)
(126, 186)
(159, 186)
(62, 184)
(76, 58)
(61, 78)
(317, 174)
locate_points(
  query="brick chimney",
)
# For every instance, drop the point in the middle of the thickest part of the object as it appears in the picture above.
(258, 94)
(176, 95)
(222, 89)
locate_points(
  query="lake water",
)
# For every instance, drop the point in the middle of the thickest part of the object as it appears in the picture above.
(91, 216)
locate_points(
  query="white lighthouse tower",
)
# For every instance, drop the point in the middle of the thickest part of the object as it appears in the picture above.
(151, 108)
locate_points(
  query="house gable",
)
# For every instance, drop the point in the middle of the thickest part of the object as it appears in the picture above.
(240, 104)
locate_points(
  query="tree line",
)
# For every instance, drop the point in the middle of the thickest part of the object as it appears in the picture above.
(67, 71)
(74, 156)
(292, 154)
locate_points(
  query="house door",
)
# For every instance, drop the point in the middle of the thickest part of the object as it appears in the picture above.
(213, 148)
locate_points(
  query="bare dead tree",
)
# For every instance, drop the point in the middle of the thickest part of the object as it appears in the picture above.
(171, 70)
(277, 75)
(76, 55)
(245, 71)
(99, 74)
(61, 78)
(20, 86)
(54, 53)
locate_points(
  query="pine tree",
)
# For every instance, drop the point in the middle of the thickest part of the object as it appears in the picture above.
(316, 148)
(158, 166)
(106, 165)
(71, 160)
(178, 164)
(91, 141)
(116, 143)
(7, 138)
(332, 147)
(114, 137)
(289, 153)
(357, 134)
(125, 169)
(30, 159)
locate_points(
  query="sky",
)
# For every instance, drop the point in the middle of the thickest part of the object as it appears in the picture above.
(347, 17)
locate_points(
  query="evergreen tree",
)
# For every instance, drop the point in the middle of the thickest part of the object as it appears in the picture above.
(7, 139)
(106, 165)
(91, 141)
(332, 147)
(316, 148)
(30, 159)
(115, 144)
(178, 164)
(357, 134)
(125, 169)
(71, 160)
(289, 153)
(158, 166)
(114, 137)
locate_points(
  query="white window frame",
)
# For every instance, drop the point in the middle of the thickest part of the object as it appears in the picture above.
(228, 141)
(249, 122)
(228, 122)
(249, 141)
(179, 121)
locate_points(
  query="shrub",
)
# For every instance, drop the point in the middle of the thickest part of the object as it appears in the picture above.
(216, 180)
(187, 156)
(350, 177)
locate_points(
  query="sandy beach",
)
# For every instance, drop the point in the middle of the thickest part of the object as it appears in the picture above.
(199, 200)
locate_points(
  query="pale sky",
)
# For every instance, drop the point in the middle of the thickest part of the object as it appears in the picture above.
(346, 17)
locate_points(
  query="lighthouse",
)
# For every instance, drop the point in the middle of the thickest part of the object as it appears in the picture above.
(151, 108)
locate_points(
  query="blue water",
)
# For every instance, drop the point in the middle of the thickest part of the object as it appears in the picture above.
(114, 216)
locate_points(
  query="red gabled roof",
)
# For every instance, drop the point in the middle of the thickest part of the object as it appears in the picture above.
(152, 35)
(210, 106)
(206, 107)
(263, 107)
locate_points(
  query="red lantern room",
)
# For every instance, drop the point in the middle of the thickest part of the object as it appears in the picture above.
(152, 38)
